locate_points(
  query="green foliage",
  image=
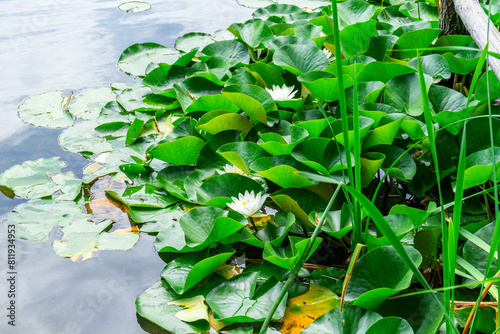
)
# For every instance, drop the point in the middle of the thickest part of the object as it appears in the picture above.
(290, 108)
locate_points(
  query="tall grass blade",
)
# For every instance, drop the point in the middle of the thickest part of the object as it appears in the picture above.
(343, 113)
(387, 231)
(444, 228)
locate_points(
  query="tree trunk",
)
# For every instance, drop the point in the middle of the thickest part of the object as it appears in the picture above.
(449, 21)
(477, 23)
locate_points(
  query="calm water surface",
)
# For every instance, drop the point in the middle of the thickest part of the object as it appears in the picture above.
(72, 45)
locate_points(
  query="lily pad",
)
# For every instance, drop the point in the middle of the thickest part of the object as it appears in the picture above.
(134, 6)
(238, 299)
(84, 239)
(26, 217)
(136, 58)
(288, 257)
(47, 110)
(89, 103)
(82, 138)
(30, 179)
(186, 271)
(379, 274)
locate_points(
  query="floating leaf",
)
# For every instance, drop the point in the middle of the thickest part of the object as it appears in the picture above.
(26, 217)
(46, 110)
(82, 240)
(134, 6)
(182, 151)
(379, 274)
(82, 138)
(193, 40)
(136, 58)
(288, 257)
(186, 271)
(281, 169)
(300, 59)
(31, 178)
(158, 304)
(302, 310)
(434, 66)
(238, 300)
(479, 167)
(334, 321)
(199, 228)
(89, 103)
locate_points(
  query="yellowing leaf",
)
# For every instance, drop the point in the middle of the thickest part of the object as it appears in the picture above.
(195, 309)
(302, 310)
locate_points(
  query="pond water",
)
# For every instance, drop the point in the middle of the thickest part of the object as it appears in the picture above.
(73, 45)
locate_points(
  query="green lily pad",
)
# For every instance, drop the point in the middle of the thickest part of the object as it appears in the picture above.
(89, 103)
(338, 222)
(235, 52)
(82, 138)
(31, 179)
(288, 257)
(186, 271)
(421, 311)
(476, 255)
(282, 170)
(241, 154)
(413, 40)
(403, 93)
(193, 40)
(434, 66)
(283, 142)
(158, 305)
(238, 300)
(399, 223)
(404, 169)
(334, 321)
(136, 58)
(379, 71)
(198, 229)
(144, 196)
(83, 239)
(384, 134)
(212, 102)
(379, 274)
(26, 217)
(321, 154)
(182, 151)
(324, 85)
(217, 121)
(134, 6)
(300, 202)
(300, 59)
(370, 164)
(47, 110)
(274, 232)
(356, 38)
(68, 184)
(479, 167)
(255, 34)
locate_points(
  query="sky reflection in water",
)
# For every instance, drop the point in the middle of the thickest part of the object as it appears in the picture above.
(72, 45)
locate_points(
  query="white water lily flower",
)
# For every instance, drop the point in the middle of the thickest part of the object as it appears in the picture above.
(231, 169)
(281, 93)
(248, 203)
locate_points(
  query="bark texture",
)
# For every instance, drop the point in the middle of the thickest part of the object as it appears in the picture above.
(477, 23)
(449, 21)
